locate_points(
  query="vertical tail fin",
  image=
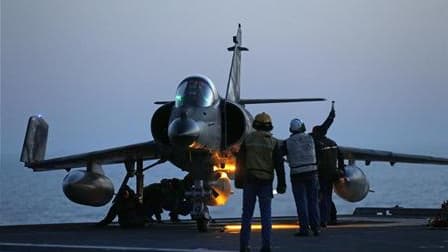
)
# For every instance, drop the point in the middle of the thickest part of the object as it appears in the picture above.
(233, 84)
(35, 143)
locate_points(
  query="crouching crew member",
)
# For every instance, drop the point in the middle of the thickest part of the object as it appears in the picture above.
(128, 208)
(153, 196)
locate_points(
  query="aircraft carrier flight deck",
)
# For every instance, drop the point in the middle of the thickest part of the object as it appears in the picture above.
(367, 230)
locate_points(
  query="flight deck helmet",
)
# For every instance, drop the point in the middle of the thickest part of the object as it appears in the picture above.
(296, 126)
(263, 121)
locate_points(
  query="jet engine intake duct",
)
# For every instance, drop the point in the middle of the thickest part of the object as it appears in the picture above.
(159, 123)
(235, 123)
(355, 188)
(88, 188)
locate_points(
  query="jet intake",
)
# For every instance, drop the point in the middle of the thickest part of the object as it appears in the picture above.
(88, 188)
(355, 188)
(235, 124)
(159, 123)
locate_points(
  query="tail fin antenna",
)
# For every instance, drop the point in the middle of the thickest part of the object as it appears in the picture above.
(233, 84)
(35, 143)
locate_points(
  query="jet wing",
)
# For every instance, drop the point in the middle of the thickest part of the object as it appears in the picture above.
(261, 101)
(139, 151)
(369, 155)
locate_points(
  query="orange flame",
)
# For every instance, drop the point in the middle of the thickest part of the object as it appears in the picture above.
(224, 163)
(236, 228)
(221, 200)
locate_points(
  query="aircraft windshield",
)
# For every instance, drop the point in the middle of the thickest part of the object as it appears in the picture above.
(194, 92)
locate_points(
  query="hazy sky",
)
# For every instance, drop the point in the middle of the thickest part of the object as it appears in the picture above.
(94, 68)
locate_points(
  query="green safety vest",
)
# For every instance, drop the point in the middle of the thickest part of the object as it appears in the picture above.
(259, 159)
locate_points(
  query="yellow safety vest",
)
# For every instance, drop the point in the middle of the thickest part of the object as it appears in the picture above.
(259, 159)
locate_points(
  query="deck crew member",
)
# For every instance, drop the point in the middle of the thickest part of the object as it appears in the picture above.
(330, 163)
(301, 154)
(128, 209)
(257, 159)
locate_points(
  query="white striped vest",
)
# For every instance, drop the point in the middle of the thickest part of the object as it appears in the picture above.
(301, 153)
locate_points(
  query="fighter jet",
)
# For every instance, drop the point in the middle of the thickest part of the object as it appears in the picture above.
(199, 132)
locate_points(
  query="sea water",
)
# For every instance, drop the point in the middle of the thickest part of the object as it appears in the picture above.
(28, 197)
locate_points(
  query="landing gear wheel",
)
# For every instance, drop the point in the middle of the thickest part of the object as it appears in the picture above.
(202, 225)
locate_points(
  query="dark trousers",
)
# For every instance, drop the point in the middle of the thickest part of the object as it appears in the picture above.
(333, 214)
(305, 189)
(326, 193)
(250, 193)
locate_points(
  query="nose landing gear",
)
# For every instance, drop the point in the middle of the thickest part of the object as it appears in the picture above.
(201, 167)
(199, 195)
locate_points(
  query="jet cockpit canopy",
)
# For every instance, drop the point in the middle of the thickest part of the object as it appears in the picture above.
(196, 91)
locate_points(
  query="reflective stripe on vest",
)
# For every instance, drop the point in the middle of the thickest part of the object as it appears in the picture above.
(329, 148)
(301, 153)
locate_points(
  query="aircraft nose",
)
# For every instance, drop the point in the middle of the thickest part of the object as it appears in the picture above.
(183, 131)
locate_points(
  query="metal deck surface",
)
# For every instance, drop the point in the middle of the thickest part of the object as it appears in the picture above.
(353, 233)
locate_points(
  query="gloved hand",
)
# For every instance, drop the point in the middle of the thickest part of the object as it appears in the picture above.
(332, 113)
(341, 172)
(344, 180)
(239, 183)
(281, 189)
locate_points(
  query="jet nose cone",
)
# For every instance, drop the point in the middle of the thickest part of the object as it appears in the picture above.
(183, 131)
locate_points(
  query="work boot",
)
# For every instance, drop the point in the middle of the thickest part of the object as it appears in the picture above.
(315, 230)
(244, 249)
(265, 249)
(302, 234)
